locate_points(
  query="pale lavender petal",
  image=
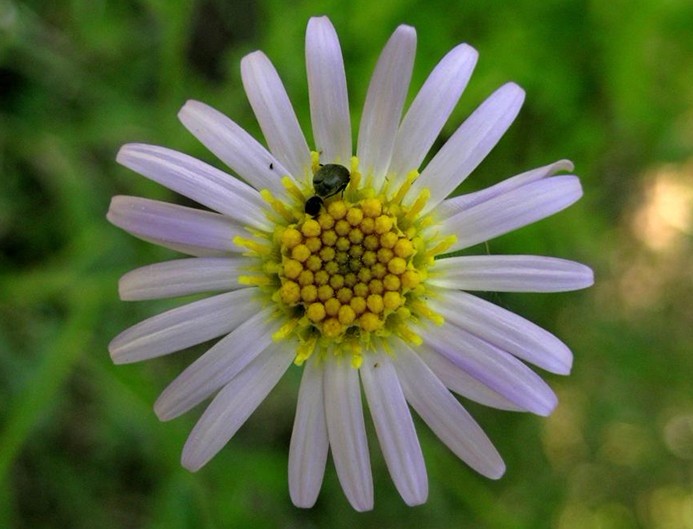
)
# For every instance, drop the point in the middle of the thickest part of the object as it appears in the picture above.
(507, 331)
(510, 273)
(347, 432)
(382, 110)
(309, 444)
(234, 404)
(329, 102)
(468, 146)
(453, 205)
(218, 365)
(496, 369)
(458, 380)
(431, 109)
(182, 277)
(234, 146)
(197, 180)
(445, 415)
(395, 428)
(181, 327)
(512, 210)
(179, 228)
(275, 114)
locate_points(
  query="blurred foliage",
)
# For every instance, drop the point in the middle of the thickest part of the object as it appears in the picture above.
(609, 85)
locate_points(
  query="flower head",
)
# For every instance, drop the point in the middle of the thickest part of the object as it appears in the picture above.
(340, 264)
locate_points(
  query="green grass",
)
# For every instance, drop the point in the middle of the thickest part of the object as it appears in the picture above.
(609, 85)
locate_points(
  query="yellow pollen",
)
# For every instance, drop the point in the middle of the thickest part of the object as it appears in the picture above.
(388, 240)
(344, 295)
(326, 221)
(375, 286)
(358, 304)
(301, 253)
(354, 216)
(314, 263)
(372, 207)
(383, 224)
(306, 278)
(291, 237)
(404, 248)
(332, 306)
(410, 279)
(325, 292)
(309, 293)
(311, 228)
(370, 322)
(313, 244)
(397, 265)
(352, 272)
(332, 328)
(346, 315)
(342, 227)
(290, 292)
(392, 282)
(367, 225)
(316, 312)
(375, 303)
(392, 300)
(292, 268)
(337, 209)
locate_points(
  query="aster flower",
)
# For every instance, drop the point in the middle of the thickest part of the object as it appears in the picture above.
(361, 292)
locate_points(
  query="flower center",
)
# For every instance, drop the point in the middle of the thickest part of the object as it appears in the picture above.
(348, 269)
(350, 274)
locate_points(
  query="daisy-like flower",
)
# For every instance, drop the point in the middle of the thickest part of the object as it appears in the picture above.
(360, 291)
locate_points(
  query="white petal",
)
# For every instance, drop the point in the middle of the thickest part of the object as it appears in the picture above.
(453, 205)
(329, 102)
(347, 432)
(218, 365)
(234, 146)
(181, 327)
(431, 109)
(458, 380)
(179, 228)
(512, 210)
(508, 331)
(469, 145)
(309, 445)
(234, 404)
(496, 369)
(181, 277)
(510, 273)
(395, 428)
(275, 114)
(382, 110)
(445, 415)
(197, 180)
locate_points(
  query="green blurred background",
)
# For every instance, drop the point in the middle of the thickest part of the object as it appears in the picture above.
(609, 84)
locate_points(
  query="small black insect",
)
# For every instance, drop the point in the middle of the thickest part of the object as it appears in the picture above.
(271, 166)
(313, 205)
(329, 180)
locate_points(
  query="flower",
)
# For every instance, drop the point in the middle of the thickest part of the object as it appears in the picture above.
(361, 291)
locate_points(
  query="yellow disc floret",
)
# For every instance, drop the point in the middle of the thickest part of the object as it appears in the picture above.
(347, 270)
